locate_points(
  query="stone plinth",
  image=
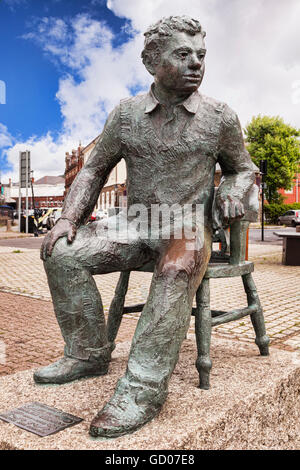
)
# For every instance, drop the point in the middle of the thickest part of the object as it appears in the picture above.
(253, 403)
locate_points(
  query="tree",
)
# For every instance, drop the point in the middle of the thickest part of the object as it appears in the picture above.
(269, 138)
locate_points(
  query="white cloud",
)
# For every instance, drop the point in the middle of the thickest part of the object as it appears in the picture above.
(47, 155)
(253, 49)
(252, 64)
(6, 139)
(99, 77)
(14, 3)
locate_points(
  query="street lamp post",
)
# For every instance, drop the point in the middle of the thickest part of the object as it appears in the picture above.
(263, 172)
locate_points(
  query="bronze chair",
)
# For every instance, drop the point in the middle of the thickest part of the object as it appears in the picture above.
(228, 262)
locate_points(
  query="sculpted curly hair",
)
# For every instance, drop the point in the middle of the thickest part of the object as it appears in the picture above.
(157, 33)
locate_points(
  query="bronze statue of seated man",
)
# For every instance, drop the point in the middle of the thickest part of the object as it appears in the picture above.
(171, 139)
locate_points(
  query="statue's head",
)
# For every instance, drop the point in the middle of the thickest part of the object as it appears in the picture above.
(174, 52)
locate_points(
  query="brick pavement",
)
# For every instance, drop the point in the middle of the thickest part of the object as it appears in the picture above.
(31, 335)
(24, 317)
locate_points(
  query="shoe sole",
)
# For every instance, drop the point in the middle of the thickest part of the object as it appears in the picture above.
(113, 434)
(40, 380)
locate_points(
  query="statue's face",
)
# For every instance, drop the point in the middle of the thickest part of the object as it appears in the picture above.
(181, 66)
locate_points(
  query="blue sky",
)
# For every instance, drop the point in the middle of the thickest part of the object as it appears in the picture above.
(67, 63)
(31, 76)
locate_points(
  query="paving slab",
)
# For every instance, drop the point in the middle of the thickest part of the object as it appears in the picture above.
(253, 403)
(30, 335)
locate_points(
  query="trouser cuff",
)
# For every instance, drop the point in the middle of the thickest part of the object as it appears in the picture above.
(100, 355)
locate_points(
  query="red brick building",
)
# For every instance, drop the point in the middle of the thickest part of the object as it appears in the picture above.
(292, 196)
(114, 192)
(74, 163)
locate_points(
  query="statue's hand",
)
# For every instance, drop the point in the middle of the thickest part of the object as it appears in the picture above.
(62, 228)
(227, 210)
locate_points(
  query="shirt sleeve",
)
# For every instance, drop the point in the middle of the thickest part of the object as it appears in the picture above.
(235, 162)
(89, 182)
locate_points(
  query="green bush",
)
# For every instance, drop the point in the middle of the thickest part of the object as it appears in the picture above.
(273, 211)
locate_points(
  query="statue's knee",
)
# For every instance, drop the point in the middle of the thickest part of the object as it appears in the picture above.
(57, 255)
(173, 270)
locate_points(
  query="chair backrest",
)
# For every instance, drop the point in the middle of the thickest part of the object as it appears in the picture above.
(234, 239)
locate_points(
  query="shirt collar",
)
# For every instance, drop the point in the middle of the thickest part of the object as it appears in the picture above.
(190, 104)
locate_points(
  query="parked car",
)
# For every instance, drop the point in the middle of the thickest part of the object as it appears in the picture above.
(109, 212)
(52, 218)
(101, 214)
(6, 212)
(92, 217)
(291, 217)
(57, 214)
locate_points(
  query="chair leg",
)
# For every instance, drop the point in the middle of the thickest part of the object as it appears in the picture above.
(262, 339)
(203, 333)
(116, 307)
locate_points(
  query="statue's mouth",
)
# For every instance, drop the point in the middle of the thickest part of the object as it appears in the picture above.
(192, 77)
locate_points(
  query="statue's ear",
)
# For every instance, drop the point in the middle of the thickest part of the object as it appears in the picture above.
(149, 66)
(151, 58)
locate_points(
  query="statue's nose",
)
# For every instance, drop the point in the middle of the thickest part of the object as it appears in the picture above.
(195, 62)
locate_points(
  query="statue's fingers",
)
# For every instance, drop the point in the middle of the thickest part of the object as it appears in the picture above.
(226, 212)
(44, 247)
(232, 209)
(242, 209)
(72, 234)
(239, 210)
(51, 243)
(42, 251)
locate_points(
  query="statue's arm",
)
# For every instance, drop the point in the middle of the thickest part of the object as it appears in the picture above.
(237, 169)
(89, 182)
(87, 185)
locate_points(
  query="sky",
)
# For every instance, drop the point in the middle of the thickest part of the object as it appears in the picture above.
(65, 64)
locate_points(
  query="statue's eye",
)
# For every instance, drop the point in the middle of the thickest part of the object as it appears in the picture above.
(183, 55)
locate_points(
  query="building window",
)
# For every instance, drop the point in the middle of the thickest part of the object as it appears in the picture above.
(112, 198)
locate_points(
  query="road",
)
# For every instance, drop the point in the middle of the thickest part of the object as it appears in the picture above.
(254, 237)
(269, 237)
(30, 242)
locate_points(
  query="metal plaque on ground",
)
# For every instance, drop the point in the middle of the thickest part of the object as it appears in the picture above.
(40, 419)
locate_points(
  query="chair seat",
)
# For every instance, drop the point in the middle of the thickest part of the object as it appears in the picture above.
(219, 270)
(214, 270)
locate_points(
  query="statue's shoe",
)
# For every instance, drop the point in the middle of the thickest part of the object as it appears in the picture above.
(68, 369)
(126, 412)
